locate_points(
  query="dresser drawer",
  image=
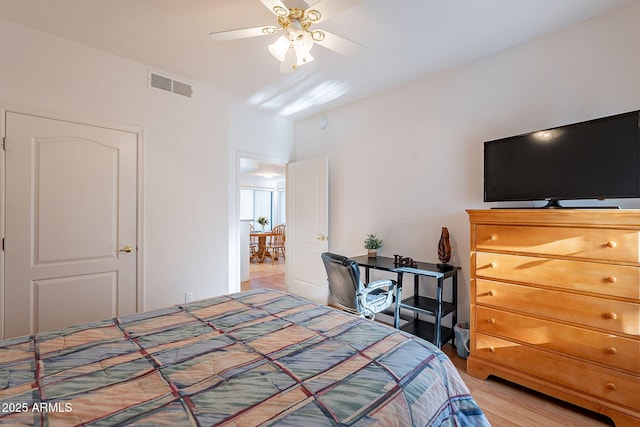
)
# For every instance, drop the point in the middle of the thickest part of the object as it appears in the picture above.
(606, 279)
(608, 349)
(593, 243)
(611, 315)
(598, 381)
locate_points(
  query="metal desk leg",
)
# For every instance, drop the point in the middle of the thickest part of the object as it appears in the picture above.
(416, 292)
(396, 312)
(454, 298)
(438, 320)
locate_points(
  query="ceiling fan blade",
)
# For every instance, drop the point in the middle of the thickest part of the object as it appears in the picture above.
(276, 7)
(329, 8)
(243, 33)
(340, 44)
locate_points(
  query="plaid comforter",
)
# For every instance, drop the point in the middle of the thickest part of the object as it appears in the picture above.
(253, 358)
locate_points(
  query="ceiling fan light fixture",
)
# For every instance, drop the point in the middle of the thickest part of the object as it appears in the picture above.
(279, 48)
(303, 58)
(280, 11)
(290, 62)
(293, 48)
(312, 15)
(269, 30)
(301, 40)
(317, 35)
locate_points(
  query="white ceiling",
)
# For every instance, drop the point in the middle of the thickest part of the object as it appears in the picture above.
(403, 40)
(255, 169)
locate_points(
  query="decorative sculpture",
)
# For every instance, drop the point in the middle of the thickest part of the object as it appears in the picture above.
(400, 261)
(444, 248)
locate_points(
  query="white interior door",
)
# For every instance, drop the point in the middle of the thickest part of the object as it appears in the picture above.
(307, 227)
(71, 207)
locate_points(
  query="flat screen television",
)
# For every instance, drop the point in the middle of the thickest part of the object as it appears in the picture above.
(596, 159)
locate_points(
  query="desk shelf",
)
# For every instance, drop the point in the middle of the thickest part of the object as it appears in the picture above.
(425, 330)
(426, 305)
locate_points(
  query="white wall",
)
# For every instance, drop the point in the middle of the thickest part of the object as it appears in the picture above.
(409, 161)
(254, 135)
(186, 151)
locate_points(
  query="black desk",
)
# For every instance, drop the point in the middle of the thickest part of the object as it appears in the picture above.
(436, 307)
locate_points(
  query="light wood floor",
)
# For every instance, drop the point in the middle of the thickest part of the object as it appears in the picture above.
(266, 275)
(505, 404)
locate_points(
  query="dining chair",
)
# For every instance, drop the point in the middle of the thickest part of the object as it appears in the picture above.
(276, 244)
(348, 293)
(253, 244)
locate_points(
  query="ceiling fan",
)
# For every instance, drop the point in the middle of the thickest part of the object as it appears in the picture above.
(293, 47)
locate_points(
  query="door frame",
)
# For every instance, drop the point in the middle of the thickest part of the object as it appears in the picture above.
(75, 118)
(235, 261)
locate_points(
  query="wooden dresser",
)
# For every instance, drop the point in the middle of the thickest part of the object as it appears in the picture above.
(555, 304)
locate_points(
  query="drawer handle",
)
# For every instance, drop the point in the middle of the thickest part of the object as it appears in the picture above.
(611, 386)
(493, 264)
(492, 350)
(492, 237)
(612, 279)
(612, 350)
(611, 316)
(611, 244)
(490, 293)
(491, 321)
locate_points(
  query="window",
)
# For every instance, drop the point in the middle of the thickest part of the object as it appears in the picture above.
(246, 204)
(256, 203)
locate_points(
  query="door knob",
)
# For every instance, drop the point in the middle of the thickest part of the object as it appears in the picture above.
(127, 248)
(322, 237)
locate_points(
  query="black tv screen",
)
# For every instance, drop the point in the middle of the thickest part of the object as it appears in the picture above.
(596, 159)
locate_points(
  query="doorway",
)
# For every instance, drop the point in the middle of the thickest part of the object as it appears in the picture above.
(262, 195)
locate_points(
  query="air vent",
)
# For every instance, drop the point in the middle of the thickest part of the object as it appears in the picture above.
(160, 82)
(169, 85)
(182, 88)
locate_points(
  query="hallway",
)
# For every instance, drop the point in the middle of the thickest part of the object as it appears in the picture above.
(266, 275)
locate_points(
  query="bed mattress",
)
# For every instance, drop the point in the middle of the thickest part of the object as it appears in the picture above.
(254, 358)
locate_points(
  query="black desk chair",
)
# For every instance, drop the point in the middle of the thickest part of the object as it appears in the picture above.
(348, 293)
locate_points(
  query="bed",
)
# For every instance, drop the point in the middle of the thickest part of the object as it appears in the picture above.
(253, 358)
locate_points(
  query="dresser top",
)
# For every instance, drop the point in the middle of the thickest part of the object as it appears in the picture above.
(564, 217)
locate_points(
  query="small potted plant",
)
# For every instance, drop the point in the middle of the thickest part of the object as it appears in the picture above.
(262, 220)
(372, 243)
